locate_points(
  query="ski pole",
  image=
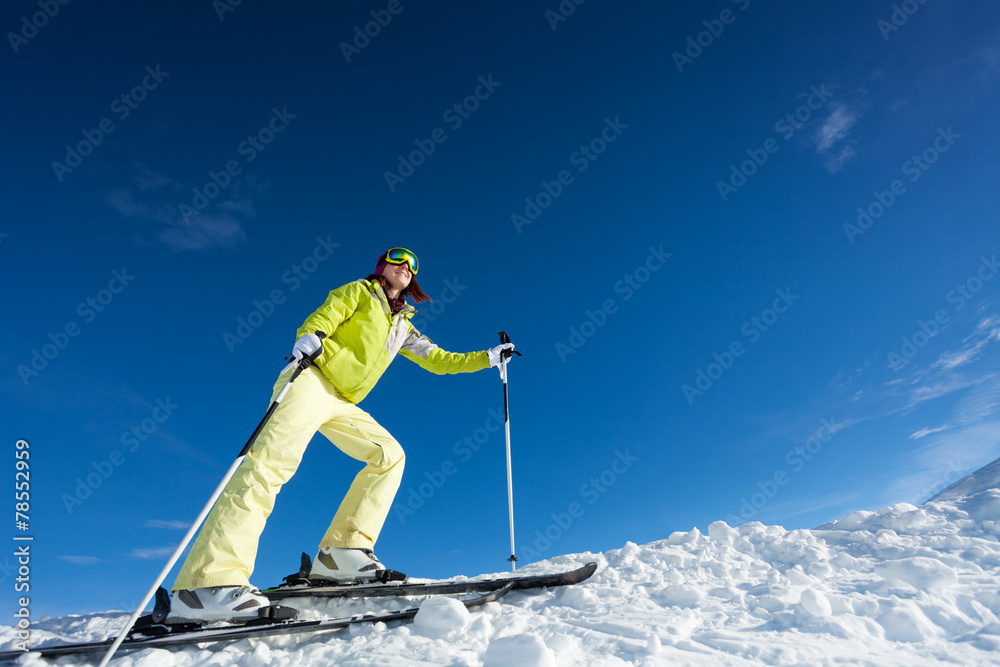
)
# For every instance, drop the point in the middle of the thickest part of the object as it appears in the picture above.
(299, 367)
(504, 356)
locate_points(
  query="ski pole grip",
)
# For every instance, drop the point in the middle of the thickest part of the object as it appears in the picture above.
(504, 339)
(315, 355)
(307, 361)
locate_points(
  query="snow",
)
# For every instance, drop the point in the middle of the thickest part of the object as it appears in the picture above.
(442, 617)
(904, 585)
(987, 477)
(524, 650)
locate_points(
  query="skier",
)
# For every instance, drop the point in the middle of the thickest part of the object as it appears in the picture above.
(366, 322)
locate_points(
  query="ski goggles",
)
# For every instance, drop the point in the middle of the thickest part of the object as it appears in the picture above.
(403, 256)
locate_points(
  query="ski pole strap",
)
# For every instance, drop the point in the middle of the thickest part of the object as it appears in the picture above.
(308, 360)
(507, 354)
(305, 362)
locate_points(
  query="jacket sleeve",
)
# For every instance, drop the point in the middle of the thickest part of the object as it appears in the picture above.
(339, 305)
(422, 351)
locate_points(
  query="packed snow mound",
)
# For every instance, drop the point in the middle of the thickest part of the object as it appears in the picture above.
(986, 478)
(901, 586)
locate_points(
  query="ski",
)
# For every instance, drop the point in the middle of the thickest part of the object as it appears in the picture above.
(184, 635)
(516, 582)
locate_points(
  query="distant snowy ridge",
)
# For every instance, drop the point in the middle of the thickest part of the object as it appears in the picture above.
(901, 586)
(985, 479)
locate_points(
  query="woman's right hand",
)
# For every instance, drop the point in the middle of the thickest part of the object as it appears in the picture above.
(304, 346)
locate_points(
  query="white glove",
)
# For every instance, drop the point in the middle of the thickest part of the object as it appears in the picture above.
(306, 345)
(303, 347)
(494, 353)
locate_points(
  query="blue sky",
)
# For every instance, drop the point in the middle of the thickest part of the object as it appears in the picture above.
(748, 251)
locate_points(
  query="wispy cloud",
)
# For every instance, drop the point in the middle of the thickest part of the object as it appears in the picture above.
(157, 198)
(151, 552)
(944, 460)
(970, 438)
(832, 139)
(897, 105)
(965, 373)
(918, 392)
(924, 432)
(148, 180)
(986, 332)
(206, 231)
(981, 402)
(126, 204)
(81, 560)
(968, 367)
(836, 162)
(958, 358)
(169, 525)
(949, 374)
(831, 428)
(990, 55)
(783, 511)
(836, 502)
(836, 127)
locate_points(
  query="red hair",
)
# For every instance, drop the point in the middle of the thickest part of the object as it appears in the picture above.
(412, 290)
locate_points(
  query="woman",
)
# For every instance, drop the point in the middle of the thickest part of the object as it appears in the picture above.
(367, 323)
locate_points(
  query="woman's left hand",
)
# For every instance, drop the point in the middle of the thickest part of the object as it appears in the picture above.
(496, 353)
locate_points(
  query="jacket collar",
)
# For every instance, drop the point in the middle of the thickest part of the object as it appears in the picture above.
(376, 291)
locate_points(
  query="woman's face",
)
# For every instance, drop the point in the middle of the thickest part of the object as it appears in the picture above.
(398, 275)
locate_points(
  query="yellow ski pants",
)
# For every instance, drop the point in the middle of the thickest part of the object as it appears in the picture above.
(226, 547)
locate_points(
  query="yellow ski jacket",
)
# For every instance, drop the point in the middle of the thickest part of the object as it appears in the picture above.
(363, 337)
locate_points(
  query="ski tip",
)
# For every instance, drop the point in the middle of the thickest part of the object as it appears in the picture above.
(586, 572)
(492, 596)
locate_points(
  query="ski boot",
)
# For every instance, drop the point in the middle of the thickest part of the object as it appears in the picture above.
(220, 603)
(349, 566)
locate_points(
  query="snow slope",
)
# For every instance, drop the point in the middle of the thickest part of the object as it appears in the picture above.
(902, 586)
(984, 479)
